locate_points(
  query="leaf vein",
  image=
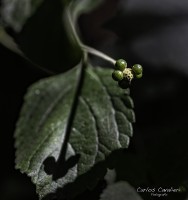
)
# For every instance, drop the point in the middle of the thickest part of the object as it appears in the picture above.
(95, 122)
(41, 122)
(113, 107)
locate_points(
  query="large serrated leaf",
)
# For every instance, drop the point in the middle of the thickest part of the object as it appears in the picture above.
(101, 124)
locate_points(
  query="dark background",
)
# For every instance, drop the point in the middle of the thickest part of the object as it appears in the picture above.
(152, 34)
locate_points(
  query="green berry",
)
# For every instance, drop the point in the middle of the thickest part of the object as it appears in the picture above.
(137, 69)
(124, 84)
(120, 64)
(117, 75)
(138, 76)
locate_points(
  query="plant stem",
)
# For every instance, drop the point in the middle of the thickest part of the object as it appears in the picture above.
(86, 49)
(97, 53)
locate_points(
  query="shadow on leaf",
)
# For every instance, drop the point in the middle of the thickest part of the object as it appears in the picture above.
(59, 169)
(84, 182)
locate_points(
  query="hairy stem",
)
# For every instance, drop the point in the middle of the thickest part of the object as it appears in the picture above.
(97, 53)
(86, 49)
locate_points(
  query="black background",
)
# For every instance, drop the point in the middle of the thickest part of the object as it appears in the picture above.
(158, 153)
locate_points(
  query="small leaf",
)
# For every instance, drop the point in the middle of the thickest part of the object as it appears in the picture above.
(43, 31)
(110, 176)
(101, 124)
(43, 36)
(120, 191)
(8, 41)
(16, 12)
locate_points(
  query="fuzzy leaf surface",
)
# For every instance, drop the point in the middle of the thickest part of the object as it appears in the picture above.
(101, 124)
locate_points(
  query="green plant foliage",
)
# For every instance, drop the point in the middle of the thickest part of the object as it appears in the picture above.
(44, 35)
(15, 13)
(101, 124)
(43, 32)
(121, 191)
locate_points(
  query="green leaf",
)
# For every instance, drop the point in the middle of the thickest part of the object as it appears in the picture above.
(7, 41)
(15, 13)
(101, 116)
(43, 35)
(120, 191)
(43, 30)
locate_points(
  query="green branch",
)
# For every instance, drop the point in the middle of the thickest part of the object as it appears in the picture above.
(86, 49)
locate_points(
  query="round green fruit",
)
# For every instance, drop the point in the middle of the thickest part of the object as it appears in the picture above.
(137, 69)
(117, 75)
(120, 64)
(138, 76)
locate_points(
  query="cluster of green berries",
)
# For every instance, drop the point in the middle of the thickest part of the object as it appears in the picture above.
(124, 75)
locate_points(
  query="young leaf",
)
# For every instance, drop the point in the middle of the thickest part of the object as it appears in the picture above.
(82, 110)
(15, 13)
(121, 191)
(43, 35)
(7, 41)
(43, 30)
